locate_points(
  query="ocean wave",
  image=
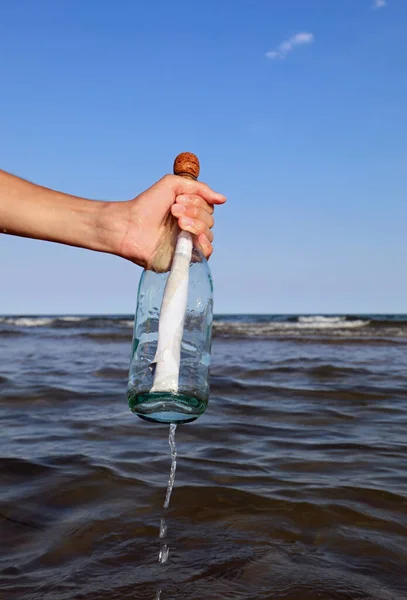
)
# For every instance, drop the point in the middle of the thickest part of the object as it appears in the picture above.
(107, 337)
(127, 323)
(304, 324)
(224, 325)
(318, 371)
(320, 322)
(65, 322)
(72, 319)
(111, 373)
(10, 332)
(27, 321)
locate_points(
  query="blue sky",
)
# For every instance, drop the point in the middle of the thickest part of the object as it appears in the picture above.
(296, 109)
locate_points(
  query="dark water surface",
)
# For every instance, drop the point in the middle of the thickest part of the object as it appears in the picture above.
(292, 486)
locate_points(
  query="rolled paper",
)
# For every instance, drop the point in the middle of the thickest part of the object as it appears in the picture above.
(172, 316)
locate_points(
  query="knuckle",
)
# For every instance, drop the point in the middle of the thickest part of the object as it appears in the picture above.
(196, 200)
(192, 199)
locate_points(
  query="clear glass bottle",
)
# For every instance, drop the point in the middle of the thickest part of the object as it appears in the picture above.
(171, 352)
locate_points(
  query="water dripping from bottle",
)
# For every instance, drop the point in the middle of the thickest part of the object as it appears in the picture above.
(164, 548)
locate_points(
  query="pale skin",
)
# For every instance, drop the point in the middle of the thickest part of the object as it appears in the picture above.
(132, 229)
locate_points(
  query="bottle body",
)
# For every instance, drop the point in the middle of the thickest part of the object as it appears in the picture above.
(154, 393)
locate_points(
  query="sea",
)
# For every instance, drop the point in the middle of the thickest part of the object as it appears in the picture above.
(292, 485)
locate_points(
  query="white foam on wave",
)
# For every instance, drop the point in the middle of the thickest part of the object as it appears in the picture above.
(319, 322)
(73, 319)
(321, 319)
(127, 323)
(27, 321)
(274, 327)
(49, 321)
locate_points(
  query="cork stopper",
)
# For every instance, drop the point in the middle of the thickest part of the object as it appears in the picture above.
(187, 165)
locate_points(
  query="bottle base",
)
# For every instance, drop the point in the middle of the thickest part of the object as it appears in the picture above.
(165, 407)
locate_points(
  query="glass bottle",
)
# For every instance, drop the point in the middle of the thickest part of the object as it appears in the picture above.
(171, 351)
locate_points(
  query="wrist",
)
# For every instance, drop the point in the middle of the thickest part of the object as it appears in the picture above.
(92, 214)
(115, 225)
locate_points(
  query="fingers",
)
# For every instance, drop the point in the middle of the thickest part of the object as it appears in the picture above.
(193, 207)
(183, 186)
(193, 200)
(205, 245)
(195, 227)
(194, 219)
(193, 212)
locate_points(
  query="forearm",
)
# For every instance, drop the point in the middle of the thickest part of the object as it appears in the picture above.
(33, 211)
(133, 229)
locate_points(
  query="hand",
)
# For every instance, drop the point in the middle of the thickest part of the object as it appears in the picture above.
(141, 230)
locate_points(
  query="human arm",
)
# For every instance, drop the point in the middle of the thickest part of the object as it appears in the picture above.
(132, 229)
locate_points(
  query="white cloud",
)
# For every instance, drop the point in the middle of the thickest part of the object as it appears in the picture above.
(379, 3)
(299, 39)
